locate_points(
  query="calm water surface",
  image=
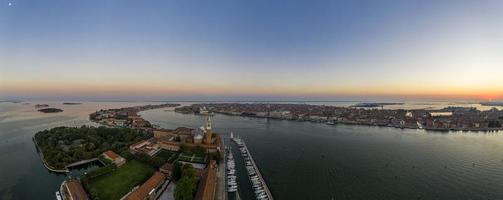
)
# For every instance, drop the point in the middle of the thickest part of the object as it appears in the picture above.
(300, 160)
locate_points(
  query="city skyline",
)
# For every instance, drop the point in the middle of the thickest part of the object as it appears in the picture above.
(272, 50)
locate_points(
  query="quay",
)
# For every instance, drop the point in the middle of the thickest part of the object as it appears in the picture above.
(268, 193)
(46, 165)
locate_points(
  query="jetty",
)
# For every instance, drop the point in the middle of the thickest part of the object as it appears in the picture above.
(262, 192)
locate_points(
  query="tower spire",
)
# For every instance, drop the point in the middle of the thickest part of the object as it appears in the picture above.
(208, 123)
(208, 130)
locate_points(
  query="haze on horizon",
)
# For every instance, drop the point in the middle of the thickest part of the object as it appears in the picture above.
(258, 49)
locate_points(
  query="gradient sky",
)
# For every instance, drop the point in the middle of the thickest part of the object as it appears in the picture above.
(255, 49)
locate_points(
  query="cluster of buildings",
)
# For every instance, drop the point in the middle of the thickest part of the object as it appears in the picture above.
(202, 137)
(450, 118)
(126, 117)
(172, 140)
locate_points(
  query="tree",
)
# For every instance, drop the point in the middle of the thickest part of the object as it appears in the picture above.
(186, 187)
(177, 171)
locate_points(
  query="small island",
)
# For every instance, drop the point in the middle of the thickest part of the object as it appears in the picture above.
(491, 103)
(71, 103)
(50, 110)
(374, 105)
(41, 105)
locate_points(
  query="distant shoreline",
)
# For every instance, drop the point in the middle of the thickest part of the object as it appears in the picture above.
(460, 118)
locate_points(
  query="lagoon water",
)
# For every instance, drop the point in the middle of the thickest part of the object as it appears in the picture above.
(300, 160)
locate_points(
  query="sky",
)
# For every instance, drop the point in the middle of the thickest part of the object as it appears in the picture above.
(251, 49)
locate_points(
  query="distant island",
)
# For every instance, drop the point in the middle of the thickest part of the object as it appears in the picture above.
(71, 103)
(41, 105)
(490, 103)
(374, 105)
(50, 110)
(449, 118)
(10, 101)
(126, 117)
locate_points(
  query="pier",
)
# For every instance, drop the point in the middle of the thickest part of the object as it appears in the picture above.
(268, 194)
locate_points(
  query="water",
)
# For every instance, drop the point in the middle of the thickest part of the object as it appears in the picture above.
(299, 160)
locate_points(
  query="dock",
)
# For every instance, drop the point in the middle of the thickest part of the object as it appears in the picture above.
(268, 193)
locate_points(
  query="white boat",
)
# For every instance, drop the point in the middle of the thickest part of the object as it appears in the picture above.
(58, 196)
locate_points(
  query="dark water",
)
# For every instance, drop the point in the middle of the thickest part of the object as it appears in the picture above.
(299, 160)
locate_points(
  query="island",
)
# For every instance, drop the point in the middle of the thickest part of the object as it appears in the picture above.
(71, 103)
(136, 160)
(446, 119)
(127, 117)
(41, 105)
(491, 103)
(50, 110)
(374, 105)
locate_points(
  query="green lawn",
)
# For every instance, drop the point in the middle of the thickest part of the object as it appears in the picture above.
(121, 181)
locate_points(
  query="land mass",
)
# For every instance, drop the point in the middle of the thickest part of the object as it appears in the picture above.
(491, 103)
(41, 105)
(62, 146)
(50, 110)
(374, 105)
(71, 103)
(126, 117)
(451, 118)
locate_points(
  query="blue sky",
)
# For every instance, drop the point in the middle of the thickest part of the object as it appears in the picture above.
(285, 49)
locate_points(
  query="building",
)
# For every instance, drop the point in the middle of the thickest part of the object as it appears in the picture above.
(115, 158)
(167, 169)
(207, 185)
(199, 135)
(148, 190)
(202, 137)
(73, 190)
(209, 139)
(146, 147)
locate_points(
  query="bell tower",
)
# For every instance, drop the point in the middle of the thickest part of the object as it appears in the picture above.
(208, 130)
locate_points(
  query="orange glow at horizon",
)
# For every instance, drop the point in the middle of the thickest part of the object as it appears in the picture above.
(136, 88)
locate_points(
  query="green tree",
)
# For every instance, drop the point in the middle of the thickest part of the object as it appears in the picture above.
(186, 187)
(177, 171)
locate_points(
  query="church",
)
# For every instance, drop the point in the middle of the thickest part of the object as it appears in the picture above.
(202, 136)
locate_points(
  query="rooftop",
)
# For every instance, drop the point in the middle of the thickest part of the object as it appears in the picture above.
(144, 190)
(76, 190)
(112, 155)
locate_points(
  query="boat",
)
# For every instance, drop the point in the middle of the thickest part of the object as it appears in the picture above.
(58, 196)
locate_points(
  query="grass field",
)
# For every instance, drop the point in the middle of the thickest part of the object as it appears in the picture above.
(121, 181)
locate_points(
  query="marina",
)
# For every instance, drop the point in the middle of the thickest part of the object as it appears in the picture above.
(258, 184)
(232, 185)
